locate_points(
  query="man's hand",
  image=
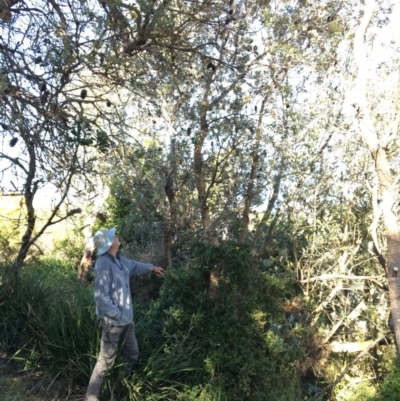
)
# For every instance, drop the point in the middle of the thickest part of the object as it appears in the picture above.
(159, 271)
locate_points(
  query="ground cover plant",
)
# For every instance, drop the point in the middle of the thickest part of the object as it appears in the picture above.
(192, 347)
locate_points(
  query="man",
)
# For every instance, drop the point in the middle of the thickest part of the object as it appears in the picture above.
(114, 307)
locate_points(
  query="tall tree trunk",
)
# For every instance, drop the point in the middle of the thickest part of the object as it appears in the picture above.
(379, 146)
(392, 234)
(170, 223)
(261, 245)
(244, 227)
(209, 231)
(202, 193)
(31, 186)
(30, 189)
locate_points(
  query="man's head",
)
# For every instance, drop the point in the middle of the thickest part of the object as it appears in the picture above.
(106, 241)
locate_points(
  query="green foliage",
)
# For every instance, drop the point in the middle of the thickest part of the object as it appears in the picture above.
(11, 230)
(363, 392)
(208, 392)
(82, 134)
(16, 385)
(69, 250)
(161, 377)
(238, 353)
(48, 321)
(390, 388)
(136, 200)
(8, 247)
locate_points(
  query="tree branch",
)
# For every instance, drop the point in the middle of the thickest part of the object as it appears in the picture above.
(350, 317)
(347, 368)
(325, 277)
(360, 57)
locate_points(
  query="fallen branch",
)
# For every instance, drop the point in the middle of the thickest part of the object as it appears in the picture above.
(325, 277)
(349, 318)
(347, 368)
(353, 347)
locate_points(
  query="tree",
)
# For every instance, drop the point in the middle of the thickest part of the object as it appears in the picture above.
(58, 70)
(380, 135)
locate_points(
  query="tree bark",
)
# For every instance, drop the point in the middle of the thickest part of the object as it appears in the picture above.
(86, 262)
(244, 227)
(379, 151)
(209, 231)
(170, 223)
(392, 234)
(30, 189)
(267, 214)
(373, 228)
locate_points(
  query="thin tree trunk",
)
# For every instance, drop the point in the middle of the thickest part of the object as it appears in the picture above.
(198, 167)
(170, 223)
(244, 227)
(30, 189)
(31, 186)
(211, 234)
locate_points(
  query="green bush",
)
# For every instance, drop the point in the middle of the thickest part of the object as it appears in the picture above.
(234, 346)
(193, 348)
(390, 388)
(70, 249)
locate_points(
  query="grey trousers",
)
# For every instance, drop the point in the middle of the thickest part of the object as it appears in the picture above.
(111, 337)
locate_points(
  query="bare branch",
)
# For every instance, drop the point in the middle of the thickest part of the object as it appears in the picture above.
(325, 277)
(347, 368)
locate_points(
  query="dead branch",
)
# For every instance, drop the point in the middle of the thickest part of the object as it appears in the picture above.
(347, 368)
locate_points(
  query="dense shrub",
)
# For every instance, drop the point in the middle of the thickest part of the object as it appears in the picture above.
(390, 388)
(231, 334)
(193, 347)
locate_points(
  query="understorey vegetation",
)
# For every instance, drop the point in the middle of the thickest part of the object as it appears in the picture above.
(250, 148)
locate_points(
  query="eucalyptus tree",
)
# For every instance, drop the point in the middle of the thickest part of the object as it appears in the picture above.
(35, 148)
(378, 119)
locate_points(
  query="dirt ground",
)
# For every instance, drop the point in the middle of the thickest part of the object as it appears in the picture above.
(17, 384)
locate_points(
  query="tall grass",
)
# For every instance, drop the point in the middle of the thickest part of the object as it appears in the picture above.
(160, 376)
(48, 323)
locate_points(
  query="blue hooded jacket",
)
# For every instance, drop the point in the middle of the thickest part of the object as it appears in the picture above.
(112, 293)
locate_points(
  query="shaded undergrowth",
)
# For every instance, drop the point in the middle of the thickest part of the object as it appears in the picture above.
(193, 347)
